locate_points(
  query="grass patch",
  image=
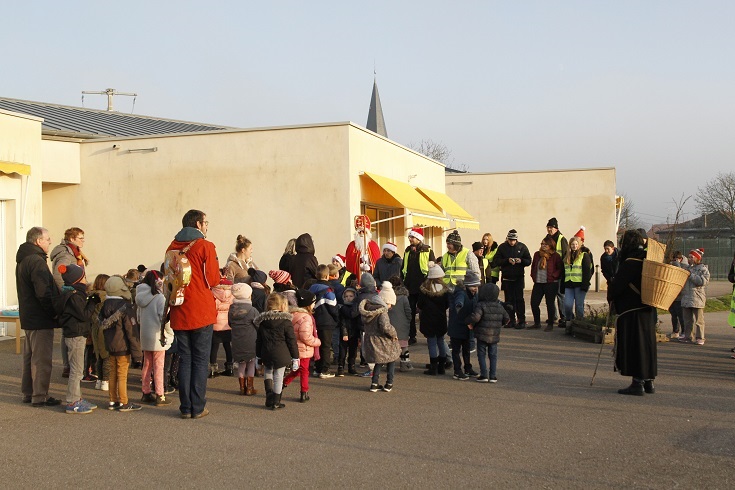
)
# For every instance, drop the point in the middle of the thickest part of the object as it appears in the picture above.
(720, 303)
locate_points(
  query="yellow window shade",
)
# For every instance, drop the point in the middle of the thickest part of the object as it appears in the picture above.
(442, 201)
(14, 168)
(382, 190)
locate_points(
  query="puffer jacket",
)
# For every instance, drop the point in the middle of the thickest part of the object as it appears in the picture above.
(400, 314)
(235, 269)
(489, 316)
(223, 300)
(460, 307)
(303, 328)
(380, 344)
(76, 310)
(694, 295)
(118, 324)
(62, 254)
(276, 341)
(150, 313)
(350, 322)
(241, 319)
(432, 304)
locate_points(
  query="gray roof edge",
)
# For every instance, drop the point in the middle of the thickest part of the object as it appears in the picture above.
(587, 169)
(21, 115)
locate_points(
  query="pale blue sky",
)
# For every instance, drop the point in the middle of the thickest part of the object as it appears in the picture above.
(644, 86)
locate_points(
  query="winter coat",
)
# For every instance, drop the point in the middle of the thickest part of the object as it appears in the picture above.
(151, 309)
(587, 269)
(302, 266)
(380, 344)
(512, 272)
(619, 290)
(362, 294)
(199, 309)
(432, 305)
(326, 313)
(62, 254)
(461, 307)
(338, 289)
(222, 300)
(258, 298)
(414, 276)
(237, 269)
(609, 265)
(241, 319)
(400, 314)
(37, 291)
(118, 324)
(693, 294)
(303, 327)
(275, 344)
(385, 269)
(554, 267)
(350, 323)
(489, 315)
(98, 337)
(76, 310)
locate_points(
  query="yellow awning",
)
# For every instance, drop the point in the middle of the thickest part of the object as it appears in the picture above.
(14, 168)
(462, 218)
(401, 194)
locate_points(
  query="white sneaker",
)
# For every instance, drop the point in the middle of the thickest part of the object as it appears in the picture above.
(98, 384)
(674, 335)
(105, 386)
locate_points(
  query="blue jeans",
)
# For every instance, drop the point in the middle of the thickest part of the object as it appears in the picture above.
(485, 350)
(574, 297)
(193, 347)
(376, 373)
(437, 347)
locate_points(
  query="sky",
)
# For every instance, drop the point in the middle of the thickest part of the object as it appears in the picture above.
(642, 86)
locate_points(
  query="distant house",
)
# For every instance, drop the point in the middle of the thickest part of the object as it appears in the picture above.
(713, 225)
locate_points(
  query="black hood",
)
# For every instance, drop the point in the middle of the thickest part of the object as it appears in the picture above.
(27, 249)
(488, 292)
(304, 244)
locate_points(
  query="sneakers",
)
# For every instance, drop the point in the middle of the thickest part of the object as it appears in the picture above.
(549, 328)
(105, 386)
(674, 336)
(471, 373)
(461, 376)
(326, 375)
(367, 374)
(78, 407)
(340, 372)
(412, 341)
(169, 390)
(161, 401)
(535, 326)
(388, 387)
(114, 405)
(91, 405)
(89, 378)
(50, 402)
(493, 379)
(483, 379)
(375, 388)
(699, 342)
(129, 407)
(98, 384)
(148, 398)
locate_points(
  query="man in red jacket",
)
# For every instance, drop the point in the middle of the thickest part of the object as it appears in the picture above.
(192, 320)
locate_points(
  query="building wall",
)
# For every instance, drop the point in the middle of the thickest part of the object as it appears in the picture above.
(61, 162)
(526, 200)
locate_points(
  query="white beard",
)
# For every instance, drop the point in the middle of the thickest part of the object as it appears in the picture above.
(360, 242)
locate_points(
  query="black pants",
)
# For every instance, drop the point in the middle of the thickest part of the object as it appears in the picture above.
(221, 337)
(545, 290)
(412, 300)
(514, 297)
(462, 345)
(325, 350)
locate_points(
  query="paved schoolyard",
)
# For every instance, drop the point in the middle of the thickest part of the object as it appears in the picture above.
(541, 426)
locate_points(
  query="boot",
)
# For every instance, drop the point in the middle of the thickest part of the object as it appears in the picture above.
(304, 397)
(635, 388)
(432, 366)
(268, 392)
(227, 371)
(648, 387)
(213, 370)
(250, 390)
(442, 365)
(277, 401)
(242, 385)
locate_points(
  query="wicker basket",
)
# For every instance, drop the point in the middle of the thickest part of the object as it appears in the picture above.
(661, 283)
(656, 250)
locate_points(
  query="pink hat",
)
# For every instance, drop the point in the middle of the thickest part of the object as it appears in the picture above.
(340, 259)
(417, 233)
(390, 246)
(280, 277)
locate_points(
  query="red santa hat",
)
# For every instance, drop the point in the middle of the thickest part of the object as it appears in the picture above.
(390, 246)
(580, 233)
(698, 253)
(340, 259)
(417, 233)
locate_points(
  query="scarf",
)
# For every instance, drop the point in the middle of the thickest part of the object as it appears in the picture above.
(544, 258)
(81, 258)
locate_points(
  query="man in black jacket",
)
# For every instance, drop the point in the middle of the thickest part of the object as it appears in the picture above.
(416, 260)
(37, 292)
(513, 257)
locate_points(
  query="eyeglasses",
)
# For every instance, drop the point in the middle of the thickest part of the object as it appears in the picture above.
(206, 223)
(80, 238)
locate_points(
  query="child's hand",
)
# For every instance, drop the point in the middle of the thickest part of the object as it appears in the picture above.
(345, 338)
(470, 326)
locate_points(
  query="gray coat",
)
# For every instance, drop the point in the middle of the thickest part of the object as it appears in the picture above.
(241, 319)
(380, 344)
(693, 294)
(400, 314)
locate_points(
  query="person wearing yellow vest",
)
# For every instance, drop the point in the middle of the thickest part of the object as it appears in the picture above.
(576, 282)
(513, 257)
(482, 263)
(562, 246)
(583, 248)
(345, 277)
(457, 261)
(490, 246)
(416, 260)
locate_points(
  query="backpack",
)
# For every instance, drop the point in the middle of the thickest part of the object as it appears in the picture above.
(176, 275)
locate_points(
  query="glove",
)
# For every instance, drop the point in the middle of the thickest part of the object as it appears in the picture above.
(95, 298)
(294, 364)
(364, 267)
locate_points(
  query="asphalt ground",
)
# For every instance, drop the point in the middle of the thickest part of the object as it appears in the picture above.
(541, 426)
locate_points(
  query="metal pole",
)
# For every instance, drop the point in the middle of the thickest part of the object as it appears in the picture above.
(597, 278)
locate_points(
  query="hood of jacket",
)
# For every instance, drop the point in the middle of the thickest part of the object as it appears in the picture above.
(188, 234)
(432, 290)
(400, 291)
(143, 295)
(304, 244)
(271, 315)
(27, 249)
(370, 310)
(488, 292)
(222, 292)
(61, 248)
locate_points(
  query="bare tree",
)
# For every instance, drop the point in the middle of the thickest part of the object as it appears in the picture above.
(628, 217)
(437, 151)
(718, 196)
(672, 231)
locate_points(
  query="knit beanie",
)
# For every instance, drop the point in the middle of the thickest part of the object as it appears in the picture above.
(390, 246)
(417, 233)
(435, 271)
(280, 277)
(241, 291)
(257, 276)
(454, 238)
(698, 253)
(512, 235)
(477, 246)
(71, 273)
(367, 281)
(553, 223)
(115, 286)
(304, 298)
(471, 279)
(580, 233)
(387, 293)
(340, 259)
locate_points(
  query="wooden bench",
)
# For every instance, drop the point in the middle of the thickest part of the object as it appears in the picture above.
(16, 320)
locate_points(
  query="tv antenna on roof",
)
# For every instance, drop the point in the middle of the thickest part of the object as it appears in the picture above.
(110, 93)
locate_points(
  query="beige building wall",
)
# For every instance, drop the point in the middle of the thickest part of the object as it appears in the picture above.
(20, 142)
(61, 161)
(526, 200)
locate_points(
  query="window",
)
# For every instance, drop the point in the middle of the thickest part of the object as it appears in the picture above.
(382, 232)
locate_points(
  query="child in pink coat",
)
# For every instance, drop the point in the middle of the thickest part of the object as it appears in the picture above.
(306, 339)
(222, 332)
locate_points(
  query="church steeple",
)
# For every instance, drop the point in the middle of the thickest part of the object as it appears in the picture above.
(375, 121)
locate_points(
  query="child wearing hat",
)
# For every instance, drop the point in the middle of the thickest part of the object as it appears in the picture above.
(486, 321)
(389, 265)
(261, 290)
(694, 298)
(432, 304)
(380, 342)
(306, 339)
(462, 303)
(349, 331)
(75, 317)
(400, 316)
(241, 318)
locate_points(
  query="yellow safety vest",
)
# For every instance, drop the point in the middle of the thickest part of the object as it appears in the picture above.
(731, 316)
(423, 262)
(346, 278)
(455, 266)
(573, 272)
(558, 244)
(495, 271)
